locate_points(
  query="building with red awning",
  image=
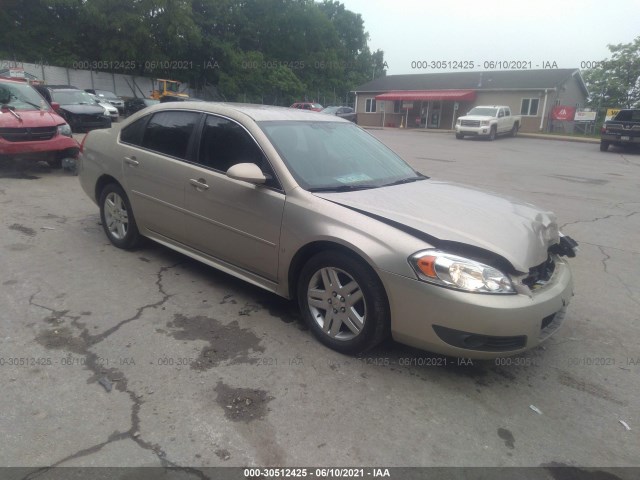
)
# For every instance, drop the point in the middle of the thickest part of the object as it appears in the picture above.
(436, 100)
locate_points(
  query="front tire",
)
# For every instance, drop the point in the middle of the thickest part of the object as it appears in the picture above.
(118, 221)
(459, 136)
(55, 163)
(343, 302)
(492, 134)
(604, 146)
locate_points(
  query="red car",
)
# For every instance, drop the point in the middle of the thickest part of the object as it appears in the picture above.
(30, 128)
(316, 107)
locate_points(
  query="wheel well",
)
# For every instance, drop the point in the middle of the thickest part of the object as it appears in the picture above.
(308, 251)
(102, 182)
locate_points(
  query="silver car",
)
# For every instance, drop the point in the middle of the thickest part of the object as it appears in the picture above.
(313, 208)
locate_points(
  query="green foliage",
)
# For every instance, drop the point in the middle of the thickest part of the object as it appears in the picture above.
(615, 83)
(271, 51)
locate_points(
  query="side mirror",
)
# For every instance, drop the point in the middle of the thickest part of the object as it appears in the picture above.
(55, 106)
(247, 172)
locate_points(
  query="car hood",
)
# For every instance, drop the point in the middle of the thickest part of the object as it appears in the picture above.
(476, 117)
(83, 109)
(108, 106)
(517, 231)
(30, 119)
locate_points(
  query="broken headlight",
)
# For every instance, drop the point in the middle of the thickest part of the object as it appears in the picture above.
(453, 271)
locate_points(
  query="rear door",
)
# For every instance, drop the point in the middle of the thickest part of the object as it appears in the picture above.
(234, 221)
(156, 149)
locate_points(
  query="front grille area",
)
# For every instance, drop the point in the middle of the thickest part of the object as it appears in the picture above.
(91, 119)
(540, 275)
(551, 323)
(470, 123)
(483, 343)
(27, 134)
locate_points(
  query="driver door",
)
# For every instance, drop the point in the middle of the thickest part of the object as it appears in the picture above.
(233, 221)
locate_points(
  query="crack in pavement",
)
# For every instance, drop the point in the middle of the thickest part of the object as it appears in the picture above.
(604, 261)
(94, 339)
(633, 252)
(600, 218)
(63, 339)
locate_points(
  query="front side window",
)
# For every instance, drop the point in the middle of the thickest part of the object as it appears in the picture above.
(529, 106)
(225, 143)
(370, 105)
(169, 133)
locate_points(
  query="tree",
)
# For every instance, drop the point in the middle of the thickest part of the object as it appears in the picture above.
(615, 83)
(275, 51)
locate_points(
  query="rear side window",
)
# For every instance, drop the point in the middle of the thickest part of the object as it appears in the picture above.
(169, 133)
(628, 116)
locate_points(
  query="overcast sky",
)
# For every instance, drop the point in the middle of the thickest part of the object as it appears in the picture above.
(567, 32)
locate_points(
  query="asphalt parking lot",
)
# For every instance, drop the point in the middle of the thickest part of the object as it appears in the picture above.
(149, 358)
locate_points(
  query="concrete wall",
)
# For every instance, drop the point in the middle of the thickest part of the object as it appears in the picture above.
(121, 85)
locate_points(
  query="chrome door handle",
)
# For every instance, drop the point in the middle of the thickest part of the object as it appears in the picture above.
(131, 161)
(200, 184)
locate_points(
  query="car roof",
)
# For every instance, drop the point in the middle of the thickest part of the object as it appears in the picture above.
(60, 87)
(256, 112)
(13, 80)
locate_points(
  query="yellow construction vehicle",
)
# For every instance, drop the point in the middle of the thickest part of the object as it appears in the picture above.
(168, 90)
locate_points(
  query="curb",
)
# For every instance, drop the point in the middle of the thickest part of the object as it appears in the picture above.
(539, 136)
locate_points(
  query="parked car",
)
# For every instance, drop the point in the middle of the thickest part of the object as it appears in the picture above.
(30, 128)
(110, 97)
(316, 107)
(347, 113)
(315, 208)
(76, 107)
(488, 122)
(111, 110)
(623, 130)
(133, 105)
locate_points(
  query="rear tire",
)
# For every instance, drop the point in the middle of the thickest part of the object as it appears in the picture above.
(117, 218)
(514, 130)
(343, 302)
(604, 146)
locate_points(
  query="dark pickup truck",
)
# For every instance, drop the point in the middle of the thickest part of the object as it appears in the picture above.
(622, 130)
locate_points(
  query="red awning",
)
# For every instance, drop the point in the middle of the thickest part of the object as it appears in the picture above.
(459, 95)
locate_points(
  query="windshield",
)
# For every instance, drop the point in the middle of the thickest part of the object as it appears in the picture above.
(484, 111)
(171, 87)
(331, 110)
(336, 156)
(20, 96)
(73, 97)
